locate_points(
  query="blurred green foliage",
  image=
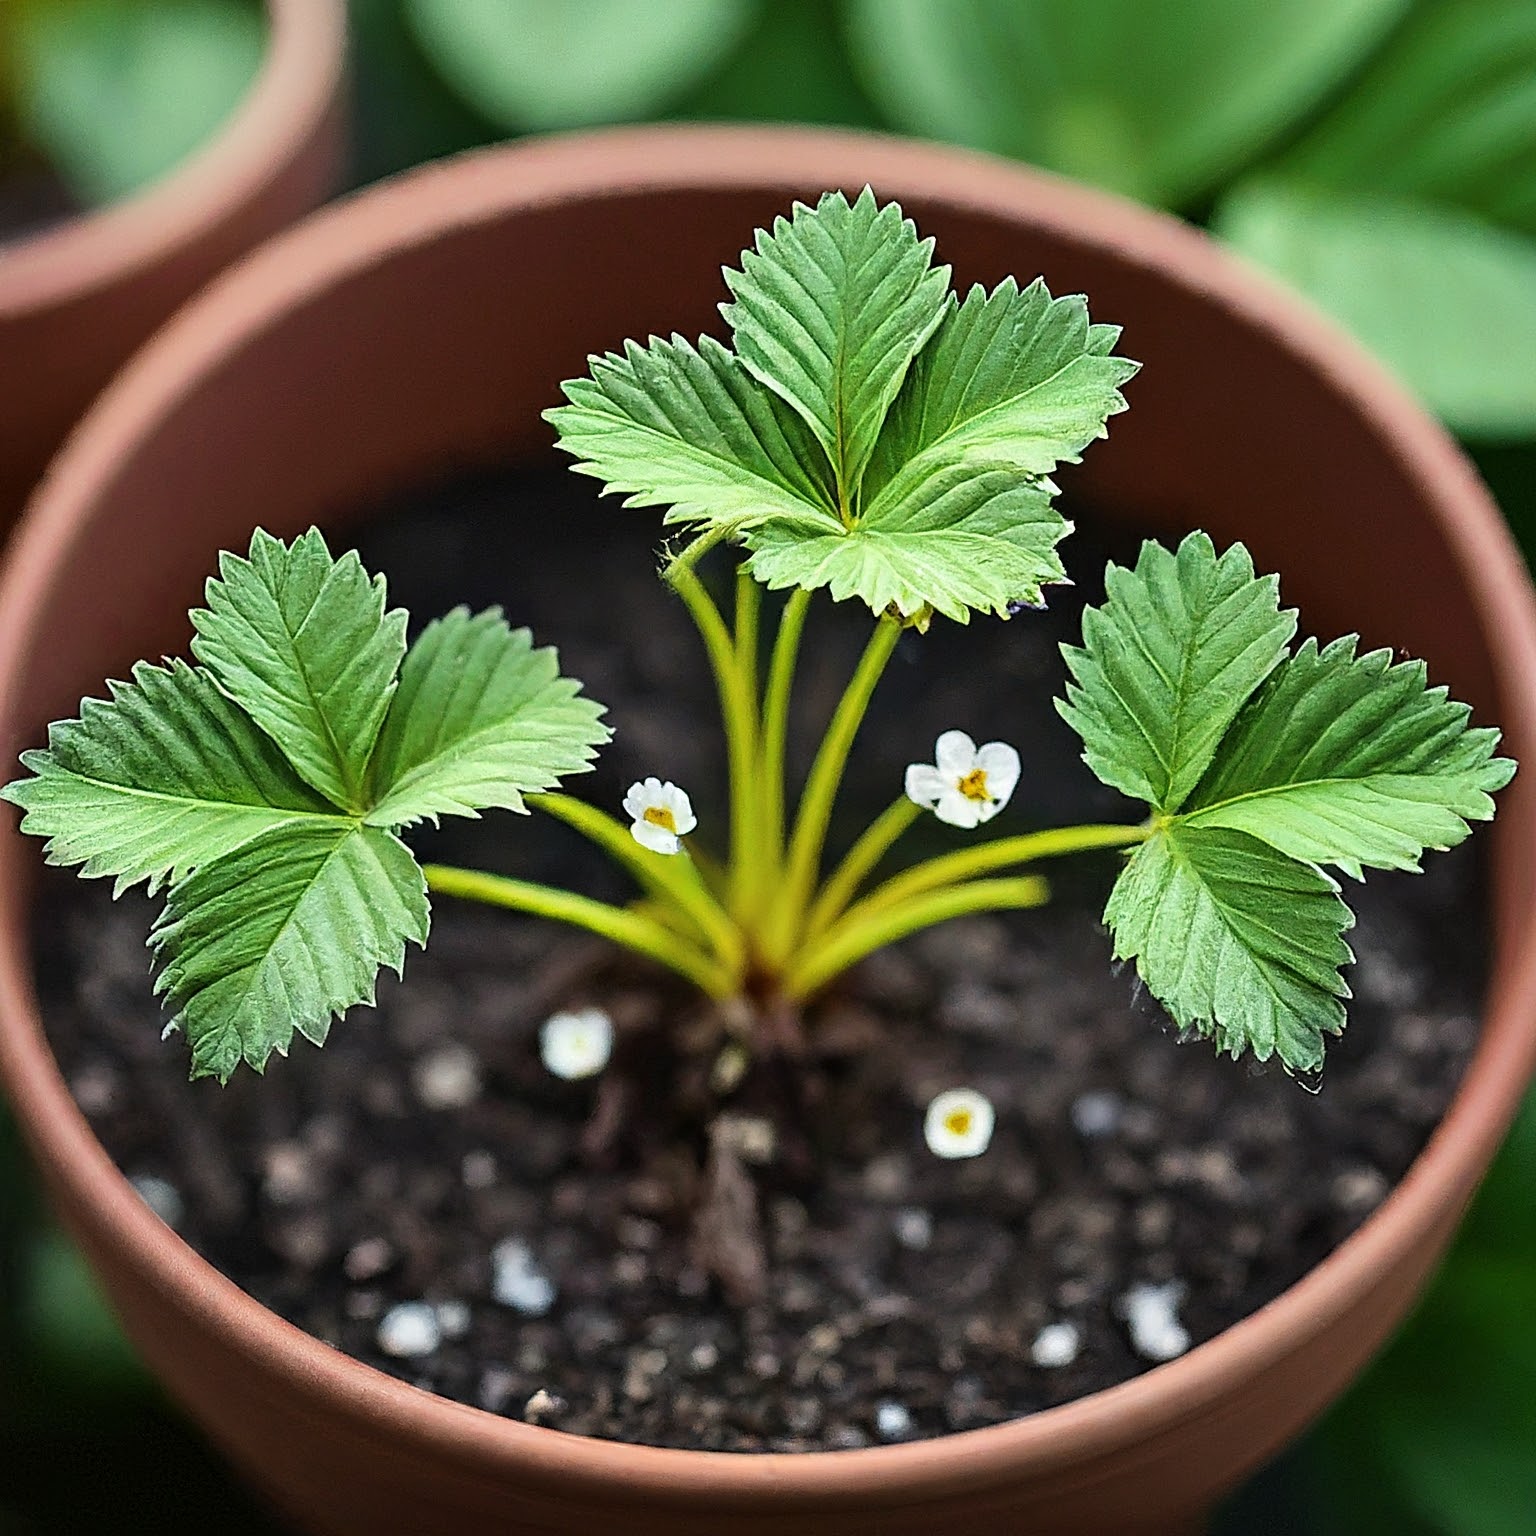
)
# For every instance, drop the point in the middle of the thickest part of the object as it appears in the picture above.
(1380, 154)
(115, 92)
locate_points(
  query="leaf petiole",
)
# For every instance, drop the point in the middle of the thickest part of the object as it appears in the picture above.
(822, 784)
(861, 934)
(634, 930)
(675, 880)
(867, 852)
(738, 710)
(781, 676)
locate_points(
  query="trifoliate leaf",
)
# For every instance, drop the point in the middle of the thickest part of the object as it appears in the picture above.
(165, 775)
(690, 429)
(965, 536)
(301, 641)
(1258, 766)
(284, 934)
(1011, 377)
(1177, 649)
(1240, 943)
(480, 717)
(829, 310)
(1349, 760)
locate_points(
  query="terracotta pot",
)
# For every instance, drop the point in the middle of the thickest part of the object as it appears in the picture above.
(423, 325)
(78, 297)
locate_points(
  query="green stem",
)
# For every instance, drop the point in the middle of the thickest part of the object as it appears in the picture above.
(859, 860)
(633, 930)
(737, 708)
(822, 783)
(749, 853)
(674, 878)
(853, 938)
(964, 864)
(781, 676)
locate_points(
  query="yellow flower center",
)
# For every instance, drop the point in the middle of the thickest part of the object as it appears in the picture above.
(661, 816)
(958, 1122)
(974, 785)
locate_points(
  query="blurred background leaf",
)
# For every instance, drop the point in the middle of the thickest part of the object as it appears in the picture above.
(1445, 297)
(1407, 210)
(1445, 111)
(1158, 99)
(116, 92)
(527, 64)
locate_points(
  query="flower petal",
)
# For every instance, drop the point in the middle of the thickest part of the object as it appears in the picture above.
(958, 809)
(635, 801)
(925, 784)
(657, 839)
(1000, 763)
(955, 753)
(676, 800)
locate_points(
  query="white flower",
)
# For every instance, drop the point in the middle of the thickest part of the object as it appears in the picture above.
(576, 1045)
(969, 785)
(959, 1123)
(661, 815)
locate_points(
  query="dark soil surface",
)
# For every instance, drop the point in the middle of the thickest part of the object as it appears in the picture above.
(550, 1260)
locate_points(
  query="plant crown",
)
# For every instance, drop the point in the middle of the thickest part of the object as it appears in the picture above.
(868, 433)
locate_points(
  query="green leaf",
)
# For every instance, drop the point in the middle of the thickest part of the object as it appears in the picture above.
(1349, 760)
(529, 65)
(480, 717)
(1009, 377)
(301, 641)
(1445, 298)
(828, 311)
(164, 776)
(1258, 766)
(1159, 101)
(284, 934)
(117, 92)
(1241, 944)
(1181, 643)
(960, 537)
(688, 428)
(1446, 112)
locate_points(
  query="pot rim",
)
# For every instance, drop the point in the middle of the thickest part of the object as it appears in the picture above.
(294, 87)
(296, 268)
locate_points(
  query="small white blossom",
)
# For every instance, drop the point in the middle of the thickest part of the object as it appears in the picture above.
(661, 815)
(965, 785)
(576, 1045)
(959, 1123)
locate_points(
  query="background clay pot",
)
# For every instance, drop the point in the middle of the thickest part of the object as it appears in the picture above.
(78, 297)
(424, 325)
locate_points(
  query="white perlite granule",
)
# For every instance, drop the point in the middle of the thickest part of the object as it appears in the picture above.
(1151, 1316)
(1056, 1345)
(410, 1330)
(517, 1281)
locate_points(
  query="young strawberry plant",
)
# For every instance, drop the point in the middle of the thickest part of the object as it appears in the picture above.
(869, 435)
